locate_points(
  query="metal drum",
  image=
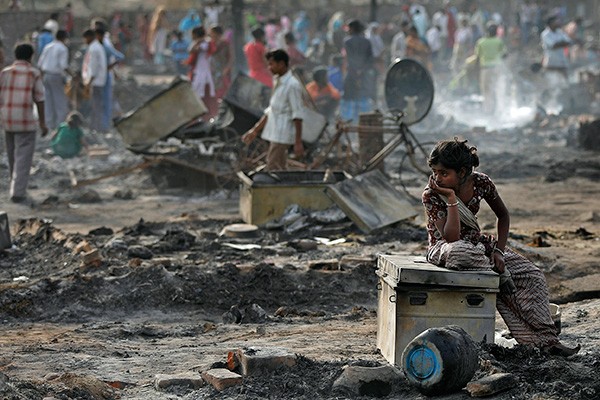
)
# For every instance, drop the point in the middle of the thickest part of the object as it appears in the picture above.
(440, 360)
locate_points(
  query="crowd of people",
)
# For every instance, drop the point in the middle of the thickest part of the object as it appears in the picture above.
(339, 64)
(339, 61)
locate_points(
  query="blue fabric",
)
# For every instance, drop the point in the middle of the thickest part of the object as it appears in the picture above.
(351, 109)
(190, 21)
(42, 40)
(336, 78)
(107, 106)
(180, 50)
(301, 27)
(112, 52)
(107, 93)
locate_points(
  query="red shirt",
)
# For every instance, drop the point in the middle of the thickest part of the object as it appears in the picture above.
(316, 92)
(20, 87)
(69, 22)
(255, 55)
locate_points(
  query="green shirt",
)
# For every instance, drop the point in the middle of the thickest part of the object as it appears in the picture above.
(67, 142)
(489, 51)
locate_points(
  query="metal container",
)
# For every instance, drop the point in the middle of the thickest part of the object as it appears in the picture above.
(415, 296)
(265, 195)
(160, 116)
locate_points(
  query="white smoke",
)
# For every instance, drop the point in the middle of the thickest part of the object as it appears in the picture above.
(515, 103)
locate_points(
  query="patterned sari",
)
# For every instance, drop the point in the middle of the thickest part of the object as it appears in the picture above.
(526, 311)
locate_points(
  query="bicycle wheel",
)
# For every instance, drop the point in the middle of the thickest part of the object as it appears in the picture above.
(413, 168)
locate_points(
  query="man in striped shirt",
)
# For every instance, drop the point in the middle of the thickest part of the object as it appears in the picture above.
(20, 88)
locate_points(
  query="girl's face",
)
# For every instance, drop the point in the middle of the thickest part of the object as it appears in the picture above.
(445, 177)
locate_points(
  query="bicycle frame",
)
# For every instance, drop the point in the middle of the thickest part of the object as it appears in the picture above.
(405, 136)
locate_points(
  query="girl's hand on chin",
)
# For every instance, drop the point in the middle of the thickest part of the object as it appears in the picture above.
(438, 189)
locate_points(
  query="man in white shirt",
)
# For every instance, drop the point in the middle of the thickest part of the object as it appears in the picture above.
(434, 41)
(212, 12)
(94, 74)
(281, 124)
(398, 45)
(555, 63)
(554, 40)
(54, 64)
(440, 19)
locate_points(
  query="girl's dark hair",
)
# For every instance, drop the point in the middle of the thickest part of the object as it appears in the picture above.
(454, 154)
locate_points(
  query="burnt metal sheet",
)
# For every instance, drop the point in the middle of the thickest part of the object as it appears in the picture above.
(160, 116)
(370, 201)
(247, 98)
(248, 94)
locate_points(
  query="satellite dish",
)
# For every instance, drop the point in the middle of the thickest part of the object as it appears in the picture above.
(409, 88)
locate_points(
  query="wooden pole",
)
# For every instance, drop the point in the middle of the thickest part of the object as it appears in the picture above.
(373, 11)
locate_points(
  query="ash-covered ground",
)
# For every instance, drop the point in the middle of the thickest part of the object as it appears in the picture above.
(116, 282)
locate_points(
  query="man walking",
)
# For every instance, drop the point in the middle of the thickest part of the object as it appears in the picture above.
(555, 62)
(54, 64)
(94, 74)
(20, 88)
(113, 57)
(490, 51)
(360, 77)
(281, 124)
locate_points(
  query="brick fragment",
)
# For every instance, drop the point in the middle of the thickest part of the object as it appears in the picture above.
(82, 247)
(350, 259)
(192, 380)
(332, 264)
(119, 384)
(91, 258)
(372, 381)
(254, 361)
(222, 378)
(492, 384)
